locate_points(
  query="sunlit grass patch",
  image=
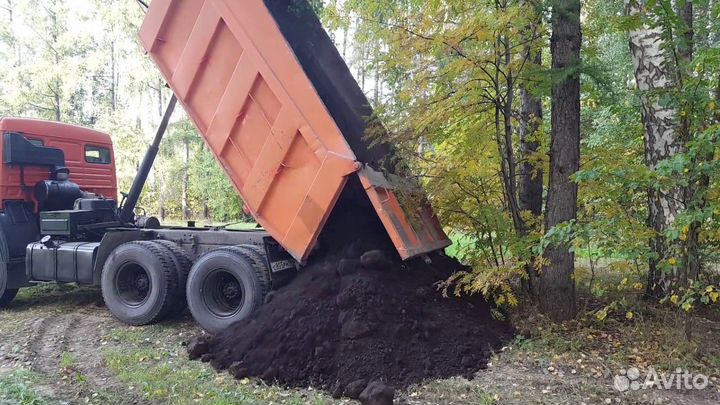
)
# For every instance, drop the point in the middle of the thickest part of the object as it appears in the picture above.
(17, 387)
(152, 361)
(54, 294)
(452, 389)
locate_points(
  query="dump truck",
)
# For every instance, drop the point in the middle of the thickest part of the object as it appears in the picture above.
(279, 109)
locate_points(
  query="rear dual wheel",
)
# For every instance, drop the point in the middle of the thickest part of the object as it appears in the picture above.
(143, 282)
(183, 263)
(226, 286)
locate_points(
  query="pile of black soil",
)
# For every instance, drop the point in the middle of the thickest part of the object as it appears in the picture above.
(358, 314)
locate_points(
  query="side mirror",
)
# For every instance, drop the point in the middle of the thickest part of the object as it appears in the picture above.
(18, 150)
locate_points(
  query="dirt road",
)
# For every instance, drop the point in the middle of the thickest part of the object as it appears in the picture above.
(58, 345)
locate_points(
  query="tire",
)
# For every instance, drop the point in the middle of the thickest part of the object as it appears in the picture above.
(6, 295)
(183, 263)
(275, 280)
(225, 286)
(257, 255)
(139, 283)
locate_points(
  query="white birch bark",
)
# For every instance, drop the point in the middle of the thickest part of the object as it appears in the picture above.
(653, 74)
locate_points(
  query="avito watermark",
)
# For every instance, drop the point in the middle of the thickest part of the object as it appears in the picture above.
(632, 380)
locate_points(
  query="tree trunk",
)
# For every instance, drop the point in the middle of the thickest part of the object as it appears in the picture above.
(509, 147)
(530, 187)
(57, 82)
(161, 101)
(113, 79)
(556, 283)
(696, 190)
(504, 94)
(186, 180)
(531, 176)
(531, 114)
(10, 7)
(345, 42)
(653, 74)
(377, 85)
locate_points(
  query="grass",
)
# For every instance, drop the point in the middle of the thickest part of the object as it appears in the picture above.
(17, 387)
(444, 391)
(242, 226)
(54, 295)
(153, 363)
(652, 336)
(67, 361)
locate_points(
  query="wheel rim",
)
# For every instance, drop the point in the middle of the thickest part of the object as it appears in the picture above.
(222, 293)
(133, 284)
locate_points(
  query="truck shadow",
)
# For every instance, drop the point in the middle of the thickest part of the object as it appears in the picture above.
(57, 296)
(71, 297)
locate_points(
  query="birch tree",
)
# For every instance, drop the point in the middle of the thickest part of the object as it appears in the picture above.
(654, 76)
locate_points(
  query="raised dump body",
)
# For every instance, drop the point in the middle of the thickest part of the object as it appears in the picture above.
(279, 108)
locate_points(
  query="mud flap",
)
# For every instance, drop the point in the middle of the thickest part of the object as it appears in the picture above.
(278, 258)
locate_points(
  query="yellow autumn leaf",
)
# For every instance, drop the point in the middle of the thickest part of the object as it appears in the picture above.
(714, 296)
(674, 299)
(672, 261)
(709, 288)
(629, 315)
(601, 315)
(638, 286)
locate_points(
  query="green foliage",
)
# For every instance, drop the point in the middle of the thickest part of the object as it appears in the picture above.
(450, 73)
(16, 387)
(444, 83)
(210, 184)
(445, 77)
(493, 282)
(81, 63)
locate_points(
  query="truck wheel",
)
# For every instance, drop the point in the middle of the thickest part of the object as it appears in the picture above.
(225, 286)
(275, 280)
(257, 255)
(6, 295)
(183, 263)
(139, 283)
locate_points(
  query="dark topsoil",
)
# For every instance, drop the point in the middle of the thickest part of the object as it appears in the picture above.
(358, 314)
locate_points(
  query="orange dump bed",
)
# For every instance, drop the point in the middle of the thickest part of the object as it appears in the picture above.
(280, 110)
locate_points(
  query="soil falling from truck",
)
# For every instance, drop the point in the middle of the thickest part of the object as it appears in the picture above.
(358, 314)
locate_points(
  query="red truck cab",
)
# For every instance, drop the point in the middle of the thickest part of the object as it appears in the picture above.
(47, 166)
(88, 155)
